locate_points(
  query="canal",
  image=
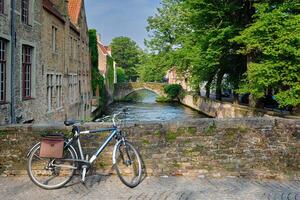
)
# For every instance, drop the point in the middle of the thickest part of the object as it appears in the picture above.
(142, 106)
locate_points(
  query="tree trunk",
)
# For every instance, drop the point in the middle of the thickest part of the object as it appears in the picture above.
(219, 85)
(235, 98)
(207, 87)
(252, 101)
(296, 110)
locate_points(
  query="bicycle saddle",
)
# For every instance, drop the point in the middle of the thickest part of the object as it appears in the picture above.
(69, 122)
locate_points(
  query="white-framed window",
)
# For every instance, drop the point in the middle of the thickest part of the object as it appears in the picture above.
(74, 52)
(50, 86)
(3, 69)
(25, 11)
(54, 38)
(59, 91)
(73, 79)
(27, 62)
(71, 47)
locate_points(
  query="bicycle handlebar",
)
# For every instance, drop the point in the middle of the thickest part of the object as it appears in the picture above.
(114, 116)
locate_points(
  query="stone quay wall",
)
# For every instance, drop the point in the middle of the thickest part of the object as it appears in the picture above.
(249, 147)
(219, 109)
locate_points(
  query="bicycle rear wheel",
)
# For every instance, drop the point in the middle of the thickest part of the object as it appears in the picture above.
(50, 173)
(128, 164)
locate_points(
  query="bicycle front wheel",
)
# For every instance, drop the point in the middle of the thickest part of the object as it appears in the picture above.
(51, 173)
(128, 164)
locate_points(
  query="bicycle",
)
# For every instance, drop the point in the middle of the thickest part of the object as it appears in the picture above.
(54, 173)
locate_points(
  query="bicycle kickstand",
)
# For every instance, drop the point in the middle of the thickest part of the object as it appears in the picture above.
(84, 169)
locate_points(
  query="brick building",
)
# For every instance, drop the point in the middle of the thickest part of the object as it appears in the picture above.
(104, 65)
(174, 78)
(45, 75)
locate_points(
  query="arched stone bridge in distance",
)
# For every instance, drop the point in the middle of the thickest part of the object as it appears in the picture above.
(124, 89)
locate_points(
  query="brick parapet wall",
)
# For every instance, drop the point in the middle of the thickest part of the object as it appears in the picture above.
(250, 147)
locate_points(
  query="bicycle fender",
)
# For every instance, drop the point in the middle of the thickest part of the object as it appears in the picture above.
(29, 152)
(114, 152)
(76, 155)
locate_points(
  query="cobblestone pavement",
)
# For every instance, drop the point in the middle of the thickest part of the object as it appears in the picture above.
(154, 188)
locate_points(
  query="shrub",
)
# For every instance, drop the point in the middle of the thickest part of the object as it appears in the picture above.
(162, 99)
(173, 90)
(121, 77)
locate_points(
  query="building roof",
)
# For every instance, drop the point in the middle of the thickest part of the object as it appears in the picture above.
(49, 6)
(74, 7)
(103, 48)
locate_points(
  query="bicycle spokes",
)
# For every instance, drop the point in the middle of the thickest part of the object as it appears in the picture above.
(128, 164)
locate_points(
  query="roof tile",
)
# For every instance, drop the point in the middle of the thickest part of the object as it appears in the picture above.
(74, 7)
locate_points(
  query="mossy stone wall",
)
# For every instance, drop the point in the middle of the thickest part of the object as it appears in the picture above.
(249, 147)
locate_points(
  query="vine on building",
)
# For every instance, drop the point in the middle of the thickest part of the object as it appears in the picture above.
(98, 83)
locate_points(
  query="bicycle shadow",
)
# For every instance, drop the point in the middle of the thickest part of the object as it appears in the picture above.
(95, 178)
(92, 180)
(144, 168)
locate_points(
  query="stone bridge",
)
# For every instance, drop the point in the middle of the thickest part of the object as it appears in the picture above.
(123, 90)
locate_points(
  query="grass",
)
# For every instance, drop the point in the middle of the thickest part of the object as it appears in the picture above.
(210, 129)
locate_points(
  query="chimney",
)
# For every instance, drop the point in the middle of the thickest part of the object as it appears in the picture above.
(98, 37)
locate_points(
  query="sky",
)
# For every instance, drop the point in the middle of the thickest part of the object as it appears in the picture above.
(113, 18)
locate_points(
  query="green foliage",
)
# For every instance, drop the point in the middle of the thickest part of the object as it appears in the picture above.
(93, 47)
(211, 40)
(173, 90)
(164, 28)
(110, 74)
(99, 82)
(97, 79)
(121, 77)
(209, 130)
(171, 136)
(126, 54)
(94, 57)
(151, 68)
(194, 35)
(273, 41)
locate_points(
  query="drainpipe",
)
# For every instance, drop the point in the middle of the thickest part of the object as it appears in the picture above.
(12, 74)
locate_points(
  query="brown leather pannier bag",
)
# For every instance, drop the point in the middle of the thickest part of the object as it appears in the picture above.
(52, 147)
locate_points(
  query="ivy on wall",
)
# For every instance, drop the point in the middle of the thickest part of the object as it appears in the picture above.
(98, 82)
(110, 74)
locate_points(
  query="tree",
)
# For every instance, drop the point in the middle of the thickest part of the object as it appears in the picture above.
(273, 41)
(194, 35)
(164, 28)
(126, 54)
(213, 24)
(153, 67)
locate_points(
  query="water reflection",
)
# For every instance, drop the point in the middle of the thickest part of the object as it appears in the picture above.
(143, 107)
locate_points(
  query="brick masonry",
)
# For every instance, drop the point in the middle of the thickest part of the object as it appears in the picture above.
(74, 68)
(249, 147)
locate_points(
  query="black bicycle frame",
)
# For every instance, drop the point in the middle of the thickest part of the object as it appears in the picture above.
(114, 131)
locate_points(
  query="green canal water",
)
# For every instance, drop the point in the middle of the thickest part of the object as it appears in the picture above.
(142, 106)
